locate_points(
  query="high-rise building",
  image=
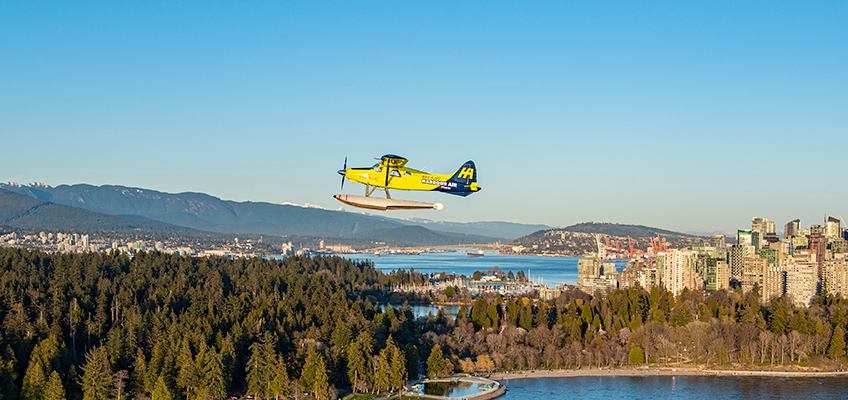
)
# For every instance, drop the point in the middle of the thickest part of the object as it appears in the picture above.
(753, 269)
(762, 225)
(718, 241)
(744, 237)
(832, 228)
(835, 279)
(737, 253)
(801, 281)
(587, 268)
(791, 228)
(679, 270)
(717, 275)
(774, 282)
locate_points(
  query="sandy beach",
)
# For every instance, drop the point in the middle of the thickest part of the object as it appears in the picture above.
(662, 371)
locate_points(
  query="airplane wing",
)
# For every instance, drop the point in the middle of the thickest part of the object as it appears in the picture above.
(393, 161)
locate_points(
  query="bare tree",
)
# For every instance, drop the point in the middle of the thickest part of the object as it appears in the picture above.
(119, 383)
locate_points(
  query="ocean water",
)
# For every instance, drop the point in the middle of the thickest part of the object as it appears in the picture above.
(548, 270)
(676, 387)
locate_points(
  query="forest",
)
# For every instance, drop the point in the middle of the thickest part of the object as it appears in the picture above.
(160, 326)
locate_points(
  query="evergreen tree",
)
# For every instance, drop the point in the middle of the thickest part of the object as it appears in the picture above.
(97, 375)
(636, 356)
(397, 361)
(8, 375)
(188, 376)
(836, 350)
(212, 374)
(681, 315)
(140, 382)
(321, 386)
(161, 391)
(54, 390)
(309, 375)
(358, 362)
(34, 380)
(436, 364)
(260, 366)
(41, 362)
(280, 385)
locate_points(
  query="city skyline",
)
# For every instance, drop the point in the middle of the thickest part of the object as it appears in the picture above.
(691, 117)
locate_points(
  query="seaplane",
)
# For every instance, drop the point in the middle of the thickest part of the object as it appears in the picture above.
(391, 173)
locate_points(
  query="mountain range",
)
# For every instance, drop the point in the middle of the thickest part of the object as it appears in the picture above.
(202, 212)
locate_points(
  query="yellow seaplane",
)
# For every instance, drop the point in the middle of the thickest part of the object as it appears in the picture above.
(391, 173)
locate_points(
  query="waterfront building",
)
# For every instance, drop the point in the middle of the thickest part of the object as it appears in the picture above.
(587, 267)
(801, 281)
(791, 228)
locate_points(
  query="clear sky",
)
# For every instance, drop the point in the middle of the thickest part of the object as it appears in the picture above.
(680, 115)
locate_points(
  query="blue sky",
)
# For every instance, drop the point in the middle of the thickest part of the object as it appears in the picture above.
(680, 115)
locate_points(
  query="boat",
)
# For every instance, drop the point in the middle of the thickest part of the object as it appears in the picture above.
(377, 254)
(478, 253)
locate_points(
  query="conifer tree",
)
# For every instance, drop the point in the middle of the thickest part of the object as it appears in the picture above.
(836, 350)
(140, 382)
(161, 391)
(321, 386)
(280, 385)
(358, 365)
(34, 380)
(260, 366)
(211, 373)
(383, 372)
(309, 375)
(188, 376)
(54, 390)
(397, 362)
(97, 375)
(436, 362)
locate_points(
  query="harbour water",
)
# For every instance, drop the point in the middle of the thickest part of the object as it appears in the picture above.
(676, 387)
(548, 270)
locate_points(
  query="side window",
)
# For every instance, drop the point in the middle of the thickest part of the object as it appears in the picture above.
(406, 173)
(395, 173)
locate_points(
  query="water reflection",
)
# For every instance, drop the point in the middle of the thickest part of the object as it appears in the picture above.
(677, 387)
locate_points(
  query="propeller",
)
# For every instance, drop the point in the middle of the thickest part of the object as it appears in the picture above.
(342, 173)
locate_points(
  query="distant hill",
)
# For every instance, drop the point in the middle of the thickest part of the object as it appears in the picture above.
(21, 211)
(580, 239)
(634, 231)
(204, 212)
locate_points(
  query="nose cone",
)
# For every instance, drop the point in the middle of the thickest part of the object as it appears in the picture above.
(342, 172)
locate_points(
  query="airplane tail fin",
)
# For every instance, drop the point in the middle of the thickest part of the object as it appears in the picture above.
(464, 180)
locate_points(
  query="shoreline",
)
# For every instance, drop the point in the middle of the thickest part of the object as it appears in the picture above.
(662, 371)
